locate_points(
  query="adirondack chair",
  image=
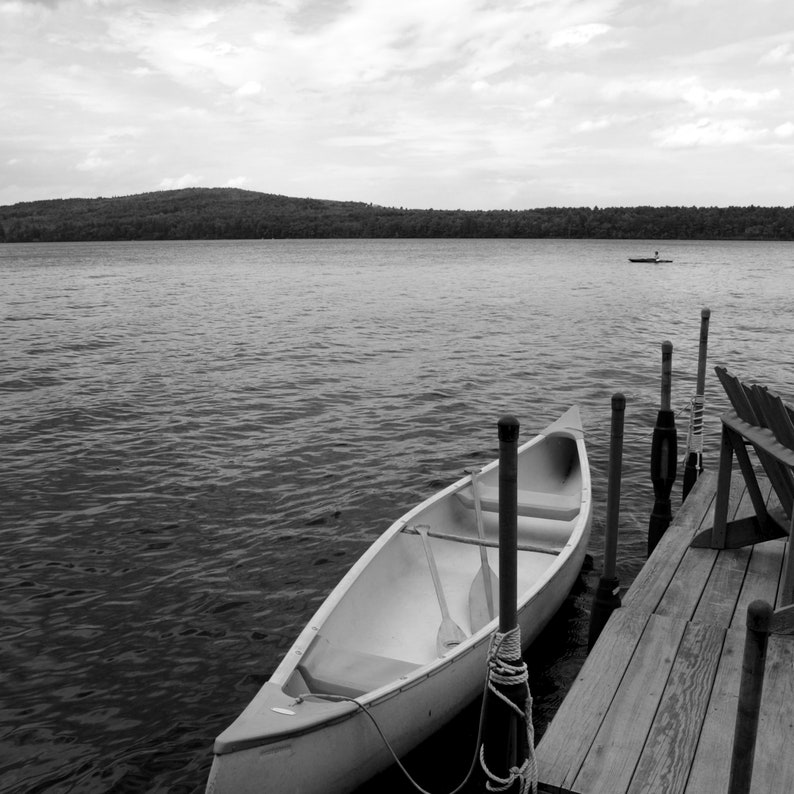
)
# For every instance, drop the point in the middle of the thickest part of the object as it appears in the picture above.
(762, 421)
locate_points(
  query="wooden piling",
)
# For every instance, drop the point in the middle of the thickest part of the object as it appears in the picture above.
(693, 465)
(607, 597)
(505, 745)
(663, 455)
(508, 523)
(759, 620)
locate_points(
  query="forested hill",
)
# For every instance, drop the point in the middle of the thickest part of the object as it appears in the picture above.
(228, 213)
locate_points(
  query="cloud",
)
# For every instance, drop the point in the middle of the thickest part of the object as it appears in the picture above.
(396, 103)
(176, 183)
(596, 124)
(781, 54)
(706, 132)
(251, 88)
(704, 99)
(92, 163)
(577, 36)
(688, 90)
(546, 102)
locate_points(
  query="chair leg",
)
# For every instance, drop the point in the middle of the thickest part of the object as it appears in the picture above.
(719, 531)
(787, 585)
(725, 534)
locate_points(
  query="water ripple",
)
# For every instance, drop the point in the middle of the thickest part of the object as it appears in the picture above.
(200, 439)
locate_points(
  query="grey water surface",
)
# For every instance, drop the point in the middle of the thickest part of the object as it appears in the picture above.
(199, 439)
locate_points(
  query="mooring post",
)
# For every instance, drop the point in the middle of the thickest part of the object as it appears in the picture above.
(693, 465)
(505, 745)
(759, 621)
(663, 455)
(508, 523)
(607, 597)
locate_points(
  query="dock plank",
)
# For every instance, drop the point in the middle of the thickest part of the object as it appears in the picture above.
(610, 764)
(761, 579)
(711, 765)
(685, 589)
(670, 747)
(568, 739)
(654, 706)
(773, 772)
(650, 584)
(718, 600)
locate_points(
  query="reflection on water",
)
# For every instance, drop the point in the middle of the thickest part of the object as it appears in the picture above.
(200, 438)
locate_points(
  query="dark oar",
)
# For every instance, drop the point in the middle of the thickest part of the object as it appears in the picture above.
(449, 633)
(484, 590)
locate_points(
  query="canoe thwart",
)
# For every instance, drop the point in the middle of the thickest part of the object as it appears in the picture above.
(533, 504)
(494, 544)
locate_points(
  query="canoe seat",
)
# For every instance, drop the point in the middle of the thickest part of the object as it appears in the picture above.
(333, 670)
(533, 504)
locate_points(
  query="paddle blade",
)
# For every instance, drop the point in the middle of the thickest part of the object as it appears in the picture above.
(480, 611)
(450, 635)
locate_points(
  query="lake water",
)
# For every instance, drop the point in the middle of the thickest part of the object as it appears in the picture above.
(199, 439)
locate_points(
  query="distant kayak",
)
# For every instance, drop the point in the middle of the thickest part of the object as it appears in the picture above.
(652, 259)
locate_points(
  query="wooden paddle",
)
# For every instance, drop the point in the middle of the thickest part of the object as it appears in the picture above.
(449, 633)
(484, 590)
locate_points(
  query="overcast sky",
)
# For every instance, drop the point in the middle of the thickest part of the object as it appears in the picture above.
(473, 104)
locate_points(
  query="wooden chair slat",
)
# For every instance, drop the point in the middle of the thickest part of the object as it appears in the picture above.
(736, 394)
(760, 420)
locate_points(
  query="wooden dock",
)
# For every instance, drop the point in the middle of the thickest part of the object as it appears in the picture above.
(654, 706)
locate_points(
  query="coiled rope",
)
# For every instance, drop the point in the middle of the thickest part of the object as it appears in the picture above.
(505, 671)
(504, 647)
(694, 440)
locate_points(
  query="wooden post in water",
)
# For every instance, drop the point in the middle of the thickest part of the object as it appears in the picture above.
(505, 747)
(607, 597)
(508, 523)
(663, 455)
(759, 621)
(693, 462)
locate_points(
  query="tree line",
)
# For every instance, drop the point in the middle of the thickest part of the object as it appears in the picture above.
(230, 213)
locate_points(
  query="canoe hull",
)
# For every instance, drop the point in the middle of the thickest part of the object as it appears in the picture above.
(342, 756)
(333, 746)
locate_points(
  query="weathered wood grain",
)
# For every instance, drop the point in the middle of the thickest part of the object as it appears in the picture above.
(568, 739)
(654, 706)
(761, 579)
(670, 747)
(718, 599)
(613, 757)
(711, 765)
(773, 770)
(652, 581)
(685, 589)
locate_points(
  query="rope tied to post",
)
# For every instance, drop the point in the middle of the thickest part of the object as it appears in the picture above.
(506, 668)
(694, 440)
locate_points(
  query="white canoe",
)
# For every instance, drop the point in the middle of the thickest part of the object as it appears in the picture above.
(374, 638)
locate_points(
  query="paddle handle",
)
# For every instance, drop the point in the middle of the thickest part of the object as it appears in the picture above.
(485, 567)
(431, 561)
